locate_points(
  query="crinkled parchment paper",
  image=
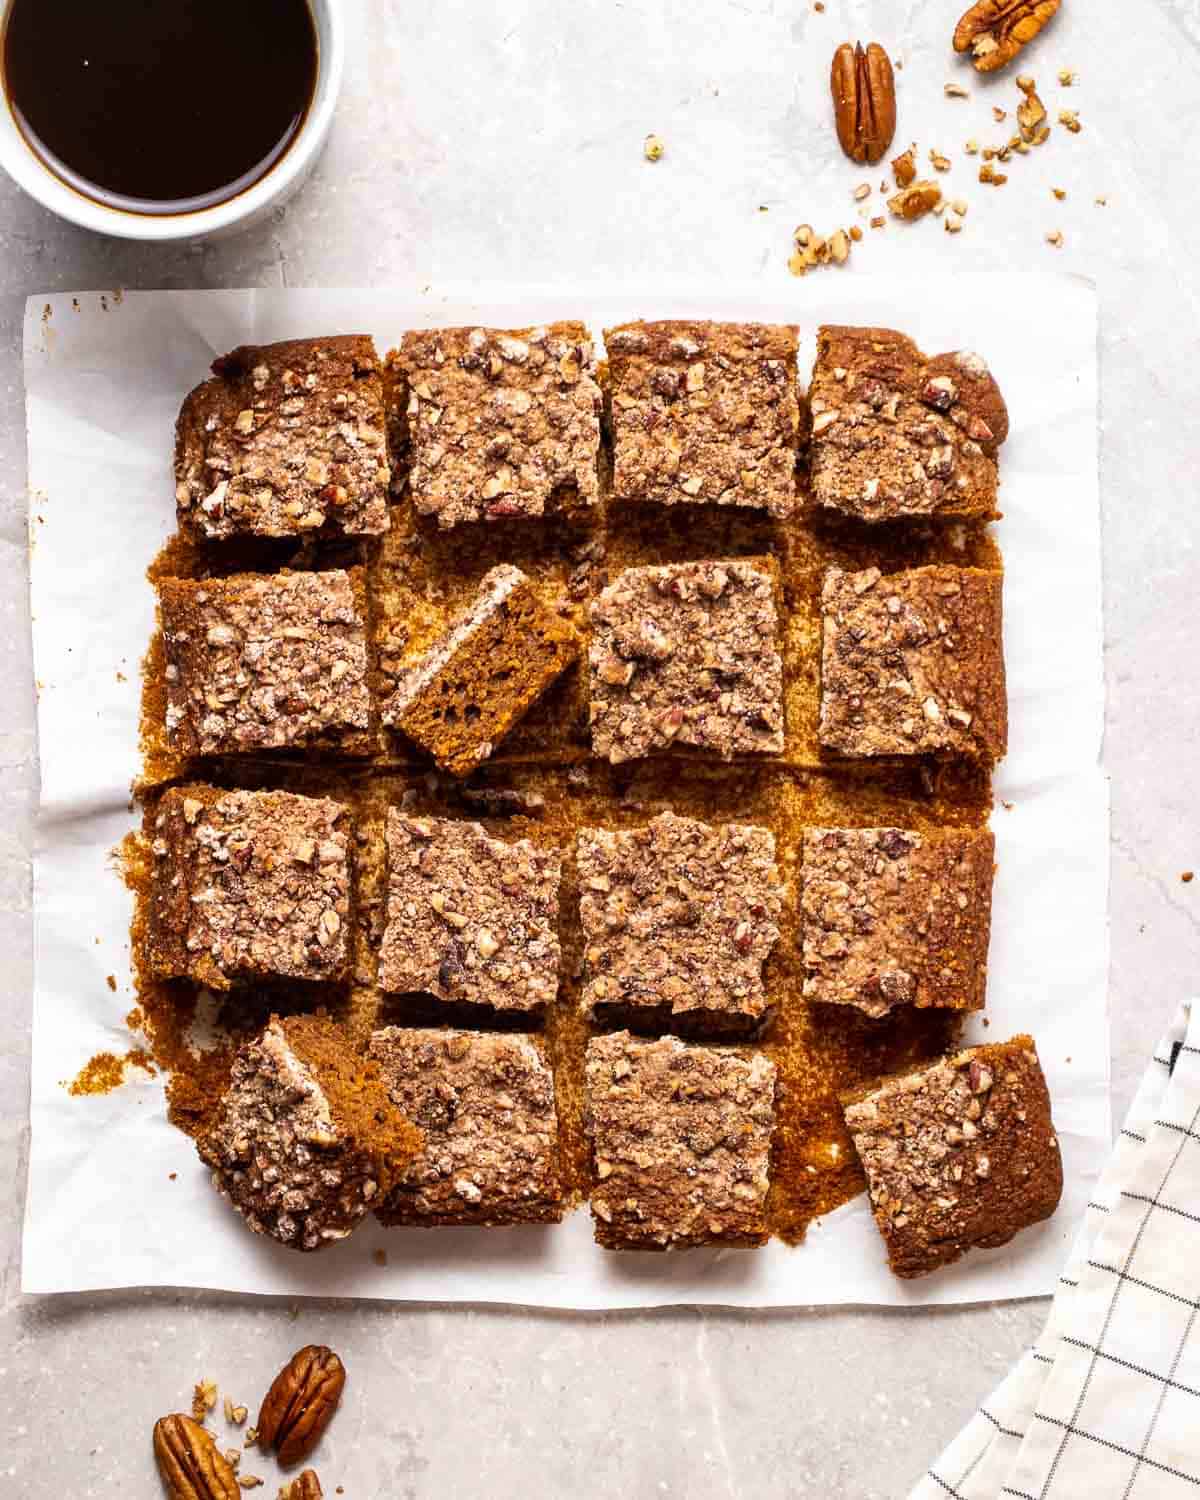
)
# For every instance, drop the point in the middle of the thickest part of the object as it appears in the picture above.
(105, 375)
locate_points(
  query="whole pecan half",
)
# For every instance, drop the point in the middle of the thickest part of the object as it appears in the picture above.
(864, 100)
(302, 1399)
(994, 31)
(191, 1464)
(305, 1486)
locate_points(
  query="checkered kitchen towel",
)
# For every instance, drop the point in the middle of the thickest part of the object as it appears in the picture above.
(1107, 1405)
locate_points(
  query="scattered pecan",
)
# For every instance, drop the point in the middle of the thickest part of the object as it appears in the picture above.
(904, 167)
(916, 201)
(864, 100)
(994, 31)
(301, 1401)
(306, 1487)
(1031, 112)
(190, 1463)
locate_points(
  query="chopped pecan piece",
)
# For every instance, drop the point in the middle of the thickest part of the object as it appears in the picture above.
(305, 1487)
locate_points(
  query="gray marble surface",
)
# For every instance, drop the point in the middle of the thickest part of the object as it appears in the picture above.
(504, 143)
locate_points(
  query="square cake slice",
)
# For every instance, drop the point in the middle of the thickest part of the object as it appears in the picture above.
(687, 654)
(250, 885)
(681, 1142)
(274, 662)
(913, 663)
(891, 917)
(895, 434)
(470, 919)
(705, 414)
(306, 1140)
(501, 422)
(466, 692)
(678, 920)
(287, 440)
(485, 1102)
(959, 1156)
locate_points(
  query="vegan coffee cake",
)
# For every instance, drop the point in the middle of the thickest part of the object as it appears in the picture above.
(688, 654)
(306, 1139)
(681, 1138)
(678, 919)
(705, 414)
(470, 919)
(913, 663)
(892, 917)
(249, 885)
(286, 440)
(485, 1104)
(500, 422)
(476, 706)
(895, 434)
(459, 699)
(958, 1156)
(274, 662)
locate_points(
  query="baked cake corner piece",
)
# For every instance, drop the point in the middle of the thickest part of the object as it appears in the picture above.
(681, 1141)
(678, 920)
(485, 1102)
(912, 663)
(705, 414)
(305, 1140)
(687, 654)
(892, 917)
(249, 885)
(266, 662)
(286, 440)
(460, 698)
(501, 423)
(470, 919)
(959, 1156)
(896, 434)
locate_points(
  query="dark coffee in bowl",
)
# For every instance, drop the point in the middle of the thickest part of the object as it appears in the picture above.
(160, 106)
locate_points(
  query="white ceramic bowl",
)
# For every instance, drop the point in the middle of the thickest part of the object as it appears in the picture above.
(26, 168)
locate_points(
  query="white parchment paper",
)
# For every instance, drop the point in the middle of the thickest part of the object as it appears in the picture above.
(105, 375)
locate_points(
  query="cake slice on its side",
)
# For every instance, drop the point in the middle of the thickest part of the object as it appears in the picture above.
(462, 697)
(306, 1139)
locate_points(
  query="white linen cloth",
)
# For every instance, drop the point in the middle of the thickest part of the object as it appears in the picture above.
(1107, 1403)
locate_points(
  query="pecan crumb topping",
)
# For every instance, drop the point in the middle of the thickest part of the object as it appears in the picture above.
(469, 917)
(681, 1138)
(687, 654)
(287, 440)
(679, 915)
